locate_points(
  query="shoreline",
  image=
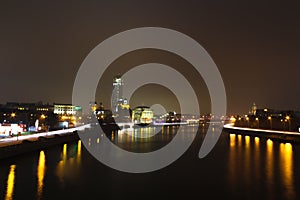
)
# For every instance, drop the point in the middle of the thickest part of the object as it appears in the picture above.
(282, 136)
(26, 146)
(17, 146)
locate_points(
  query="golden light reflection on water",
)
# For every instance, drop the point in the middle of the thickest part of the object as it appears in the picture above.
(239, 140)
(10, 183)
(41, 173)
(232, 140)
(64, 154)
(232, 159)
(113, 136)
(286, 168)
(247, 141)
(247, 164)
(61, 163)
(70, 163)
(78, 156)
(269, 165)
(256, 155)
(256, 139)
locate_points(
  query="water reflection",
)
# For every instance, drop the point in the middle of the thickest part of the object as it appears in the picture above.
(286, 159)
(232, 159)
(257, 157)
(10, 183)
(254, 168)
(145, 139)
(269, 165)
(232, 140)
(78, 157)
(41, 169)
(252, 161)
(70, 162)
(247, 164)
(40, 174)
(61, 164)
(239, 140)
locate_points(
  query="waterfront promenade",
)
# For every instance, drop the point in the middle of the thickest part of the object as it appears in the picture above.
(4, 142)
(285, 136)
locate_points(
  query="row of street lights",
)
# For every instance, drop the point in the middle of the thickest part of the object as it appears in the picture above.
(287, 119)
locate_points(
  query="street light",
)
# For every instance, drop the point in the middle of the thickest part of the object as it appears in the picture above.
(257, 122)
(283, 123)
(247, 118)
(289, 120)
(270, 118)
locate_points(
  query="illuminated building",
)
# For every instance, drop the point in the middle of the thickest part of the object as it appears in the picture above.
(68, 114)
(26, 114)
(253, 109)
(66, 109)
(93, 107)
(117, 94)
(142, 115)
(124, 105)
(173, 117)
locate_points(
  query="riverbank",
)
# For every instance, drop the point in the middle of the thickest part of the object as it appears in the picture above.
(282, 136)
(23, 144)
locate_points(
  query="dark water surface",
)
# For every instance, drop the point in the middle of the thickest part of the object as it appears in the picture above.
(239, 167)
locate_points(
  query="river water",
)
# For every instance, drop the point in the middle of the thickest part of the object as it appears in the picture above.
(239, 167)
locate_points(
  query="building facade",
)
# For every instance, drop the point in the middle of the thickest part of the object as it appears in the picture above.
(117, 93)
(142, 115)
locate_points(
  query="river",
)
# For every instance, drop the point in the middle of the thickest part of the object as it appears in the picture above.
(239, 167)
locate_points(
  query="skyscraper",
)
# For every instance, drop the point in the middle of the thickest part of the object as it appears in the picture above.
(117, 94)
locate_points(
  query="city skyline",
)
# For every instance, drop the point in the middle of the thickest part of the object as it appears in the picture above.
(149, 99)
(255, 48)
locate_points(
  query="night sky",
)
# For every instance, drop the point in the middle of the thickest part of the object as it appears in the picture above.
(256, 47)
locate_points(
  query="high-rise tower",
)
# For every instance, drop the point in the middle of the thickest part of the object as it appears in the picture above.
(117, 94)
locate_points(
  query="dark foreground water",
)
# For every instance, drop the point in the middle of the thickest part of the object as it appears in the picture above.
(239, 167)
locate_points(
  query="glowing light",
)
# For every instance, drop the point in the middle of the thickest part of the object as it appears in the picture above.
(269, 142)
(232, 118)
(41, 174)
(239, 140)
(64, 154)
(232, 140)
(79, 151)
(270, 161)
(79, 148)
(43, 116)
(13, 114)
(10, 183)
(230, 126)
(286, 166)
(257, 155)
(61, 164)
(247, 140)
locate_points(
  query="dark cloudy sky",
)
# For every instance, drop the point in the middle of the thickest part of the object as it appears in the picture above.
(255, 45)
